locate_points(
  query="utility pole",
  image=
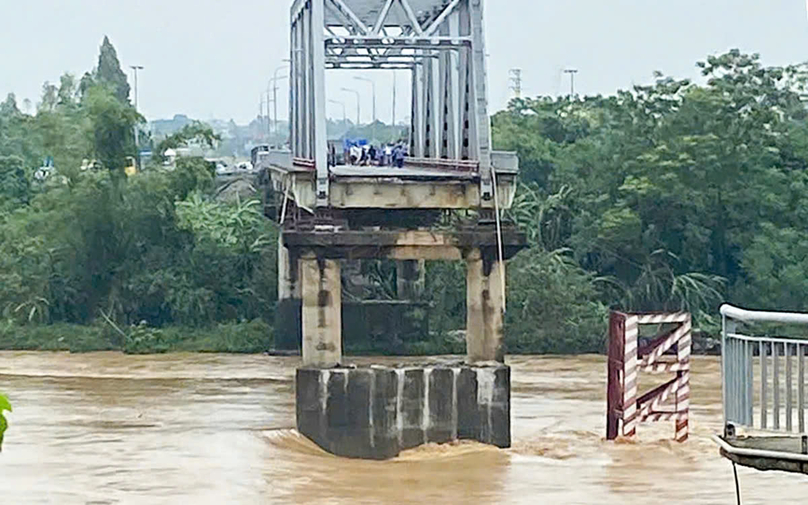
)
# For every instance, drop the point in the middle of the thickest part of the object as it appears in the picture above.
(516, 81)
(572, 72)
(137, 133)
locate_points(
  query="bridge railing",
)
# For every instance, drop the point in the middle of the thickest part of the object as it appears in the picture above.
(764, 393)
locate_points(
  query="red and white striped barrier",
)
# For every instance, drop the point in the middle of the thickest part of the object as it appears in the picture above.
(667, 352)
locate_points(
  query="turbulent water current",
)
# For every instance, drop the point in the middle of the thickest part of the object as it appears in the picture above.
(197, 429)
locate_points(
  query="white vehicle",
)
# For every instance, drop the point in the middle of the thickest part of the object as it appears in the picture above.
(244, 166)
(43, 173)
(223, 169)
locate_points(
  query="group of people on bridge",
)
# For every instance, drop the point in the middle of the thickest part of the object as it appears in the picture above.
(386, 155)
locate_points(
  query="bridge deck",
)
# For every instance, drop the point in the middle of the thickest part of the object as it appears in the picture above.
(784, 453)
(416, 173)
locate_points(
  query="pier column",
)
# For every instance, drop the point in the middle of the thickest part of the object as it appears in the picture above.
(287, 314)
(322, 312)
(410, 279)
(484, 309)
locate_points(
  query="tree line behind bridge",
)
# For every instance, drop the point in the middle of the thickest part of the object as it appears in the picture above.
(671, 196)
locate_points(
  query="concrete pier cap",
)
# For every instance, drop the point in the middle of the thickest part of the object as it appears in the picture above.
(378, 411)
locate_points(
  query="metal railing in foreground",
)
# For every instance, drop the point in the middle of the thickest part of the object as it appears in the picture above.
(781, 395)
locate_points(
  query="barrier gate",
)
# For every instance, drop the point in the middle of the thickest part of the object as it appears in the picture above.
(667, 352)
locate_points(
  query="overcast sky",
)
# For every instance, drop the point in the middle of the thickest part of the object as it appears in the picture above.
(212, 58)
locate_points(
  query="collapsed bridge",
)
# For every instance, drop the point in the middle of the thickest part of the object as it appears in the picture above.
(330, 214)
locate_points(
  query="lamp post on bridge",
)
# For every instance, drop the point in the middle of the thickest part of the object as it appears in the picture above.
(344, 117)
(373, 86)
(273, 85)
(275, 94)
(358, 102)
(263, 99)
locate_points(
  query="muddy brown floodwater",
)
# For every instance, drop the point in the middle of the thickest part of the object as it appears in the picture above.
(198, 429)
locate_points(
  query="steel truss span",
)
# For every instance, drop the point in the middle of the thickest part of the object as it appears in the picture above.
(440, 42)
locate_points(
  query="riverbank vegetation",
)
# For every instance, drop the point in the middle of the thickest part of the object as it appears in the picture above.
(91, 259)
(677, 195)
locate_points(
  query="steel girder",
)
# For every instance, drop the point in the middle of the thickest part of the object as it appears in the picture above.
(442, 43)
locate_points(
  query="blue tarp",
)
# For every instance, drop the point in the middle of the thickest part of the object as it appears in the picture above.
(348, 143)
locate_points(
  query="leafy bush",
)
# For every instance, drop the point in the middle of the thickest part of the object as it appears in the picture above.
(553, 306)
(142, 339)
(5, 405)
(246, 337)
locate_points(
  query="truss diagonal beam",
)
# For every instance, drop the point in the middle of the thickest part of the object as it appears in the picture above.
(411, 16)
(382, 17)
(346, 11)
(441, 18)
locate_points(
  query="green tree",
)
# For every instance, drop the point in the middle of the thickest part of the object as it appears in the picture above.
(66, 95)
(15, 189)
(195, 132)
(9, 106)
(109, 72)
(112, 123)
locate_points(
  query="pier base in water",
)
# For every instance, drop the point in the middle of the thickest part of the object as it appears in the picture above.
(376, 412)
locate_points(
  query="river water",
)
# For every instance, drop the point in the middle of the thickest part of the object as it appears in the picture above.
(193, 428)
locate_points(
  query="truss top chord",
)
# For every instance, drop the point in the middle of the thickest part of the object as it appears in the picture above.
(397, 12)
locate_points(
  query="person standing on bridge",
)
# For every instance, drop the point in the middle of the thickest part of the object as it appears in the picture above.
(355, 154)
(372, 155)
(398, 156)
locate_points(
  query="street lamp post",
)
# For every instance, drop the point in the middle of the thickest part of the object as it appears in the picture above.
(358, 110)
(373, 86)
(273, 85)
(261, 117)
(572, 72)
(344, 117)
(394, 100)
(275, 95)
(135, 68)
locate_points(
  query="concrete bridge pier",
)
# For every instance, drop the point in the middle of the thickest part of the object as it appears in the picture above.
(485, 309)
(410, 279)
(376, 412)
(288, 329)
(322, 312)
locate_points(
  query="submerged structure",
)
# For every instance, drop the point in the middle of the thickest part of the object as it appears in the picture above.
(333, 214)
(668, 352)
